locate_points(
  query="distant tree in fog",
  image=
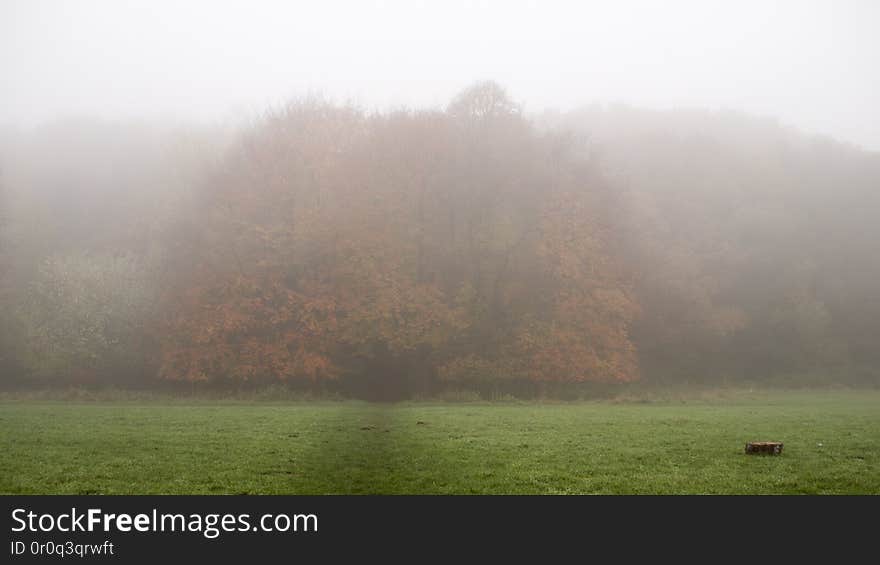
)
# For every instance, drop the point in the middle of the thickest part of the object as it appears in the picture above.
(399, 248)
(398, 252)
(83, 318)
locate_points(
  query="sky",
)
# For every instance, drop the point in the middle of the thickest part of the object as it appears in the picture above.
(814, 65)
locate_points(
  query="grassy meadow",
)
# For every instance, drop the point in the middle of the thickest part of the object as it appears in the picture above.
(671, 446)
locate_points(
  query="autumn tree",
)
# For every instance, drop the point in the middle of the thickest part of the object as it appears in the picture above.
(393, 253)
(397, 248)
(547, 301)
(741, 237)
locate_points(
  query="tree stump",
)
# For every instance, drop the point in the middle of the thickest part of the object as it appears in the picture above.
(766, 447)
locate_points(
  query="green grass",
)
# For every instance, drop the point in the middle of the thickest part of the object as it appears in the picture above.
(832, 445)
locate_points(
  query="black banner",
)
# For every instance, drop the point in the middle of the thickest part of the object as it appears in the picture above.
(134, 529)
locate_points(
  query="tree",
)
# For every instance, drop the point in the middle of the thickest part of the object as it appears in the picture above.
(748, 244)
(485, 100)
(390, 250)
(84, 319)
(7, 331)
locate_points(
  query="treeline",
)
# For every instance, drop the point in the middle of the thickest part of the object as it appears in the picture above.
(389, 254)
(754, 249)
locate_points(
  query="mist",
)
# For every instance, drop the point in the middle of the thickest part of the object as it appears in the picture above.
(813, 65)
(434, 247)
(388, 200)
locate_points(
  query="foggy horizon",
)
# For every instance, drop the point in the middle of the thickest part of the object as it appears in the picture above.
(812, 66)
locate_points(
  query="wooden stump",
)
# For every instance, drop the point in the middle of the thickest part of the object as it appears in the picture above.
(767, 447)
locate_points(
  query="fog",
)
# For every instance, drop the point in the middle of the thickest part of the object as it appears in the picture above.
(813, 65)
(397, 200)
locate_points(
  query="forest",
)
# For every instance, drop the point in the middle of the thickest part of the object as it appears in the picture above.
(400, 253)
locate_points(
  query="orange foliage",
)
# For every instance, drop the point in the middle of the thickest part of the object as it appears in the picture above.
(460, 238)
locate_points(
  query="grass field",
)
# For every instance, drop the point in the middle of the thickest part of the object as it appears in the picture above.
(832, 445)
